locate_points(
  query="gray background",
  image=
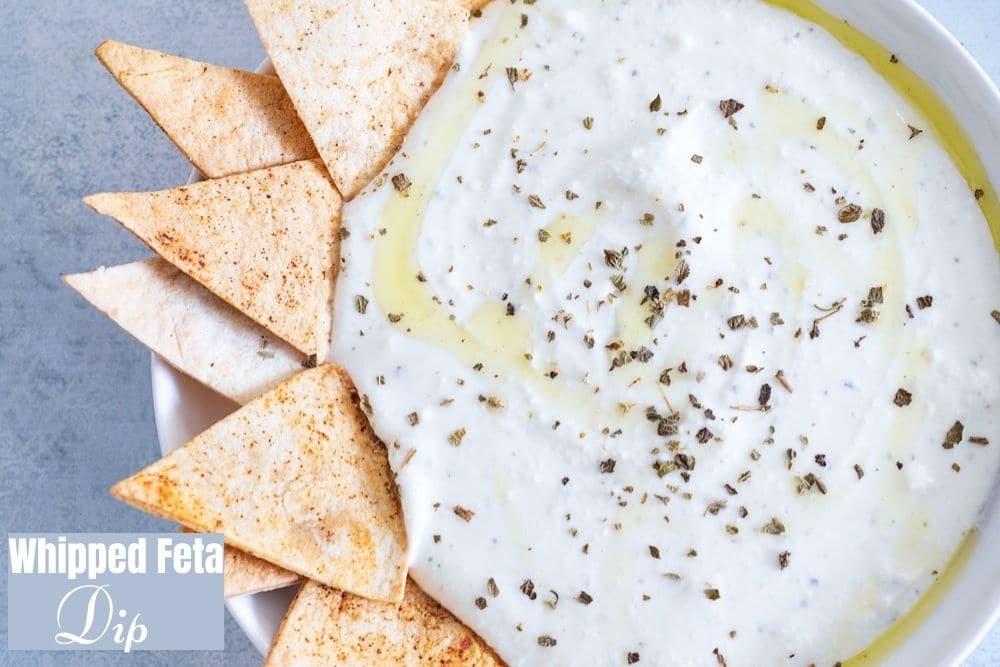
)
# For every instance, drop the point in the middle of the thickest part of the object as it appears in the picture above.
(75, 406)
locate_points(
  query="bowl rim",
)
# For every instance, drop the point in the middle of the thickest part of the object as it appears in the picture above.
(249, 611)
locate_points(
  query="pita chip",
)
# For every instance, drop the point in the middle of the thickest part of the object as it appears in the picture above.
(194, 330)
(297, 478)
(225, 121)
(359, 71)
(328, 627)
(265, 241)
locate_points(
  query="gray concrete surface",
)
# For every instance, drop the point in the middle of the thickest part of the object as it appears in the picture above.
(75, 412)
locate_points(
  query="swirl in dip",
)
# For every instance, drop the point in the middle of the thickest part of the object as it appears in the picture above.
(678, 323)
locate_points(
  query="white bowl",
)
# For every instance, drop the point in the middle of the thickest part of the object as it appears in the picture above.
(184, 408)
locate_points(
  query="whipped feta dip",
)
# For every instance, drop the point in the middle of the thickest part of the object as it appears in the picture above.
(680, 327)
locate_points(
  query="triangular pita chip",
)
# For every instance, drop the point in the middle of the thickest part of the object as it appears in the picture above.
(295, 477)
(225, 121)
(194, 330)
(328, 627)
(265, 241)
(359, 71)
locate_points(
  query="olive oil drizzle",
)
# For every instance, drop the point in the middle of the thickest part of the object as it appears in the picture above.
(960, 148)
(919, 94)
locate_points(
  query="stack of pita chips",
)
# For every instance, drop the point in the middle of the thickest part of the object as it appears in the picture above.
(239, 298)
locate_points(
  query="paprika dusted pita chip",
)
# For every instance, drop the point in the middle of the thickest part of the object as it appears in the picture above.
(264, 241)
(295, 477)
(325, 626)
(225, 121)
(359, 71)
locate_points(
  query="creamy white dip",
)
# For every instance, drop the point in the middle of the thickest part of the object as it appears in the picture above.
(614, 318)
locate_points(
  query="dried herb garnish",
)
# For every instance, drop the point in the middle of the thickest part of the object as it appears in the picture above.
(613, 258)
(703, 435)
(849, 213)
(783, 559)
(400, 182)
(546, 641)
(309, 361)
(512, 76)
(654, 551)
(859, 471)
(715, 507)
(978, 193)
(902, 398)
(877, 220)
(868, 313)
(980, 440)
(790, 455)
(632, 657)
(655, 105)
(685, 462)
(682, 272)
(493, 402)
(360, 304)
(821, 123)
(773, 527)
(914, 131)
(953, 436)
(492, 588)
(697, 159)
(463, 513)
(456, 437)
(413, 419)
(607, 466)
(536, 201)
(584, 598)
(481, 602)
(783, 381)
(729, 107)
(811, 481)
(764, 396)
(725, 362)
(588, 122)
(712, 593)
(543, 235)
(996, 316)
(528, 588)
(925, 301)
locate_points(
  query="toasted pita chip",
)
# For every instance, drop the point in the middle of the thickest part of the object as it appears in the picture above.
(359, 71)
(328, 627)
(297, 478)
(265, 241)
(225, 121)
(194, 330)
